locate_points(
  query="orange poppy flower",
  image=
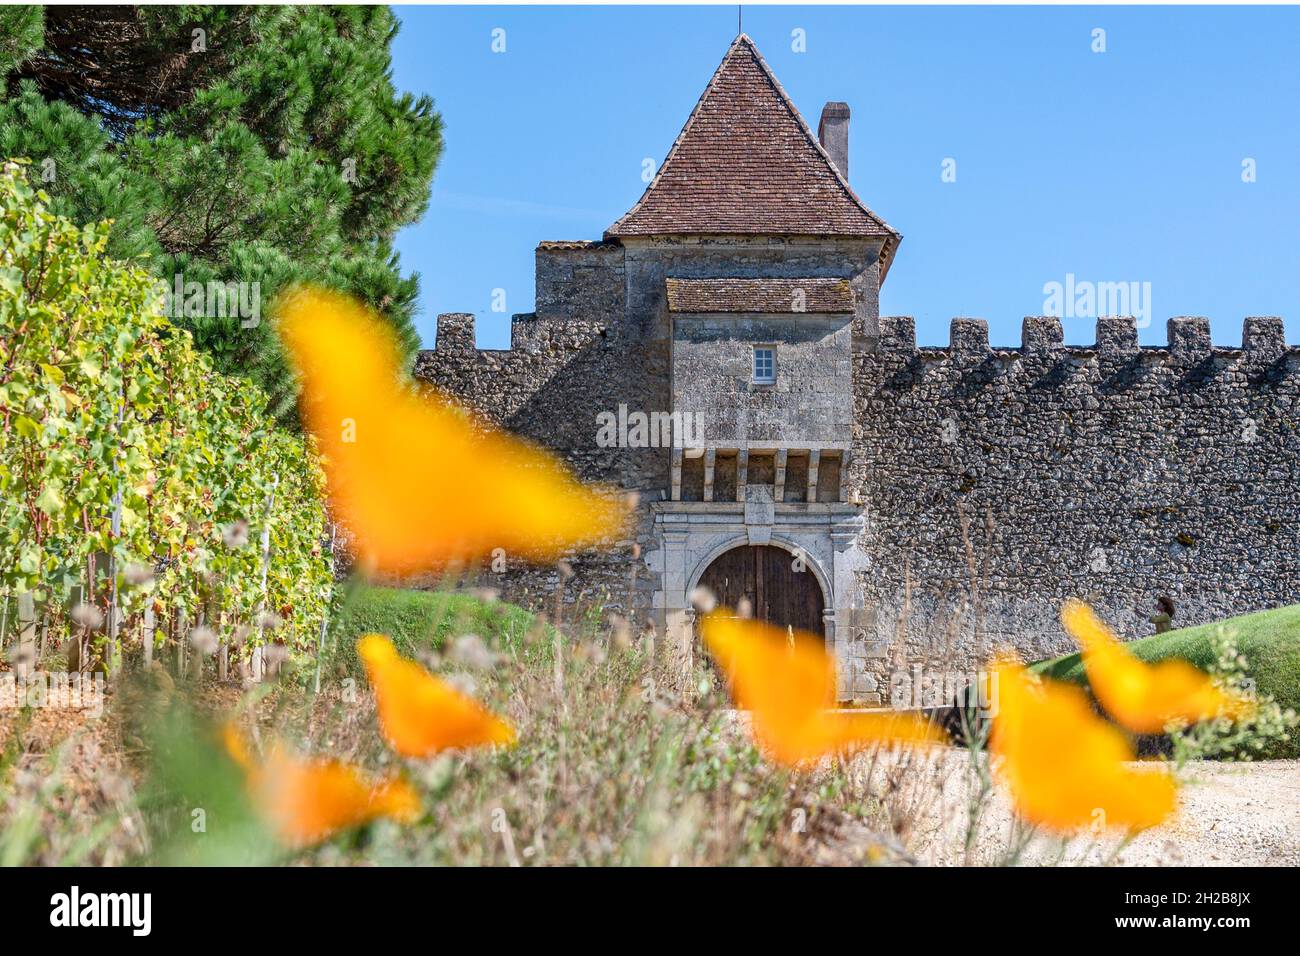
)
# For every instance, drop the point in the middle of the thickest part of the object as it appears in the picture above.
(306, 801)
(1143, 697)
(1064, 765)
(789, 688)
(416, 480)
(420, 714)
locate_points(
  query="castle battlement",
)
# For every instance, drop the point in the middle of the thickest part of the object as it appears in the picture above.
(1188, 341)
(529, 335)
(946, 500)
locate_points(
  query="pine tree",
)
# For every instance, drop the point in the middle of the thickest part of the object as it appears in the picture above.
(249, 145)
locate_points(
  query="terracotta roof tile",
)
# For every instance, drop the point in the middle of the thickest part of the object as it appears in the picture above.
(559, 244)
(746, 163)
(759, 295)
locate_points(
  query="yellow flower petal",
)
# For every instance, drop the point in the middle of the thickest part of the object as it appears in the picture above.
(1143, 697)
(1064, 765)
(308, 800)
(421, 714)
(789, 688)
(415, 479)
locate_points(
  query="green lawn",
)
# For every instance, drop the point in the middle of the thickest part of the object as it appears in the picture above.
(417, 620)
(1270, 641)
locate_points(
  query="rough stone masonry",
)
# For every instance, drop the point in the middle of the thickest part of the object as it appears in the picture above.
(940, 501)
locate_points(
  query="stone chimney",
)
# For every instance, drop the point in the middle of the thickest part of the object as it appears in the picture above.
(833, 133)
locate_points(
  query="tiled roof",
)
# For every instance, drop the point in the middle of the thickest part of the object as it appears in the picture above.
(561, 244)
(759, 295)
(746, 163)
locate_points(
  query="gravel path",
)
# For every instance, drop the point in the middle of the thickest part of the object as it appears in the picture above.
(1230, 814)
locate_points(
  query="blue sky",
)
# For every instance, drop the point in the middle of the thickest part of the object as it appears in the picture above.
(1121, 166)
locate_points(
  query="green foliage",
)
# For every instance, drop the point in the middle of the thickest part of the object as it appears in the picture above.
(421, 621)
(195, 802)
(279, 152)
(103, 401)
(20, 35)
(1264, 733)
(1263, 647)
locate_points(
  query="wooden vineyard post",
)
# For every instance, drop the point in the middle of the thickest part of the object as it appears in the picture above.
(325, 614)
(182, 657)
(197, 652)
(146, 636)
(259, 657)
(223, 652)
(26, 658)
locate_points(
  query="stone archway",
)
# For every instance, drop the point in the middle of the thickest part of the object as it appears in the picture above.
(781, 588)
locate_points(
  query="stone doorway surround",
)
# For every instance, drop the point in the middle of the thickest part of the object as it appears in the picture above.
(692, 534)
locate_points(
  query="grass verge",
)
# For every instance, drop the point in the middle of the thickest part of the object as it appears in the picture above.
(1269, 640)
(421, 621)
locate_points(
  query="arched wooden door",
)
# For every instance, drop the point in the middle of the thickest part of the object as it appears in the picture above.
(781, 589)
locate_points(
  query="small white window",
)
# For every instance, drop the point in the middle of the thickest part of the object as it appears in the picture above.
(764, 365)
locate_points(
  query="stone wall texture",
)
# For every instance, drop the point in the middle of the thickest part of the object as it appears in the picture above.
(810, 404)
(993, 482)
(1112, 473)
(576, 356)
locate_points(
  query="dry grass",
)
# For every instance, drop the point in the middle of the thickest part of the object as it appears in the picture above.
(627, 755)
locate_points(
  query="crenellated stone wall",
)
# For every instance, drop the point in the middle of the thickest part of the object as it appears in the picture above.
(576, 356)
(985, 485)
(1116, 473)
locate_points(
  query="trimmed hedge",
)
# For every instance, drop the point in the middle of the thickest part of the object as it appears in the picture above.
(1269, 640)
(419, 620)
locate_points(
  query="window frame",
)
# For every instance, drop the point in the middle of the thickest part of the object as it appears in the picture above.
(753, 364)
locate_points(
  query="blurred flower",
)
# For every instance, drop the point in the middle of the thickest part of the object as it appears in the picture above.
(235, 534)
(621, 631)
(1145, 698)
(306, 800)
(22, 655)
(788, 685)
(204, 640)
(137, 574)
(416, 481)
(703, 601)
(1064, 765)
(88, 616)
(463, 683)
(419, 713)
(269, 620)
(468, 650)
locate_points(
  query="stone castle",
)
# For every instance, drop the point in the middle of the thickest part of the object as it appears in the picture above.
(915, 506)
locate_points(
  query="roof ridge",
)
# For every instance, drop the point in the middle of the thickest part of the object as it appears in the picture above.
(744, 116)
(690, 122)
(788, 103)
